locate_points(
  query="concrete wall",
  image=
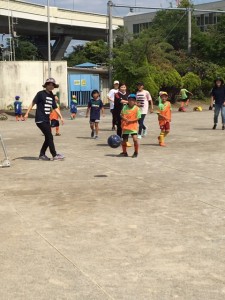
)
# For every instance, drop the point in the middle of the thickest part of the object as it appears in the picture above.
(25, 79)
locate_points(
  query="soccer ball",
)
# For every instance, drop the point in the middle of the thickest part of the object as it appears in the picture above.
(114, 141)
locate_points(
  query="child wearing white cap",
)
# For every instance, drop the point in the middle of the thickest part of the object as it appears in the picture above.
(110, 98)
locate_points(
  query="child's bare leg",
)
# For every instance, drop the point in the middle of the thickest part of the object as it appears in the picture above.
(92, 126)
(57, 131)
(187, 102)
(92, 129)
(96, 128)
(136, 145)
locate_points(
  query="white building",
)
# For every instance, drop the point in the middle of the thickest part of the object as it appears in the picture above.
(136, 22)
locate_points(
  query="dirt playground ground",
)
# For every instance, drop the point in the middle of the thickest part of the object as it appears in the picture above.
(96, 226)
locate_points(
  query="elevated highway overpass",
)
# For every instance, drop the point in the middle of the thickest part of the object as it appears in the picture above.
(31, 20)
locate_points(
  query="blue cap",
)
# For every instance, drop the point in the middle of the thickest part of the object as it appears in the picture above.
(132, 96)
(17, 97)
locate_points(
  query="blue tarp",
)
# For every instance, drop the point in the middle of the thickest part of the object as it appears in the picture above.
(86, 65)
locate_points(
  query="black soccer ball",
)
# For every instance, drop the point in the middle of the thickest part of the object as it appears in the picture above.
(114, 141)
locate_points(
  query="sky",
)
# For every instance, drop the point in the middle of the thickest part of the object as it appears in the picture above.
(100, 6)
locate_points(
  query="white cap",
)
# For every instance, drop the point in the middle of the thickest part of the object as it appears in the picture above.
(116, 82)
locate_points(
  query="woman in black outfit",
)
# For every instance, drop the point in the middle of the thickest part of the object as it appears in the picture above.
(119, 100)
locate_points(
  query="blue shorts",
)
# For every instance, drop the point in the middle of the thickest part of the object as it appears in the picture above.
(73, 111)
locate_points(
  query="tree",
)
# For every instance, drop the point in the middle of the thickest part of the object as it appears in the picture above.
(94, 52)
(25, 50)
(191, 82)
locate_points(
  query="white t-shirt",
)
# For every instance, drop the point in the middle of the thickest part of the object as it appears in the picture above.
(111, 96)
(143, 99)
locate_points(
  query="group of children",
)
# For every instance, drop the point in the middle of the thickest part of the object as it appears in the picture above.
(130, 116)
(54, 117)
(128, 112)
(129, 119)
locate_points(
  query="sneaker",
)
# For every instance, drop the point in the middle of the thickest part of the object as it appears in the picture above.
(96, 137)
(44, 157)
(139, 136)
(58, 157)
(128, 144)
(145, 131)
(214, 127)
(57, 134)
(123, 154)
(135, 154)
(92, 133)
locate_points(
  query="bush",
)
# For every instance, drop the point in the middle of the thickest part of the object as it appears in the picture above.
(192, 82)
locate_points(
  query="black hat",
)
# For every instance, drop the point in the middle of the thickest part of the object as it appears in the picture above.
(50, 80)
(219, 79)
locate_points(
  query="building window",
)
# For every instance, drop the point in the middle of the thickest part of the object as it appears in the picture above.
(206, 19)
(136, 29)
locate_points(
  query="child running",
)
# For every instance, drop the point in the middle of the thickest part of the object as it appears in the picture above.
(130, 115)
(184, 94)
(18, 109)
(73, 107)
(95, 106)
(164, 117)
(54, 117)
(143, 100)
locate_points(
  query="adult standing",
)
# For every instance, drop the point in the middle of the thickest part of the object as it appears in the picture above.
(110, 97)
(45, 102)
(119, 100)
(218, 95)
(143, 99)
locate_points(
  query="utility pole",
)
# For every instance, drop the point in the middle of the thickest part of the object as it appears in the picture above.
(110, 39)
(189, 30)
(10, 33)
(49, 42)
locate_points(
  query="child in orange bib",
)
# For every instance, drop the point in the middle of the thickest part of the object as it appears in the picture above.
(54, 118)
(164, 117)
(129, 123)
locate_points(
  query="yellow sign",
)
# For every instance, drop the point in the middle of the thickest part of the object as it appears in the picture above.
(83, 82)
(76, 82)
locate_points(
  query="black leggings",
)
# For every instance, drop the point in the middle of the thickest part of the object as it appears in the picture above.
(113, 118)
(141, 124)
(46, 130)
(118, 125)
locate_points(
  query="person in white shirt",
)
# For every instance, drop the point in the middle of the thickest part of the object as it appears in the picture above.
(110, 98)
(143, 98)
